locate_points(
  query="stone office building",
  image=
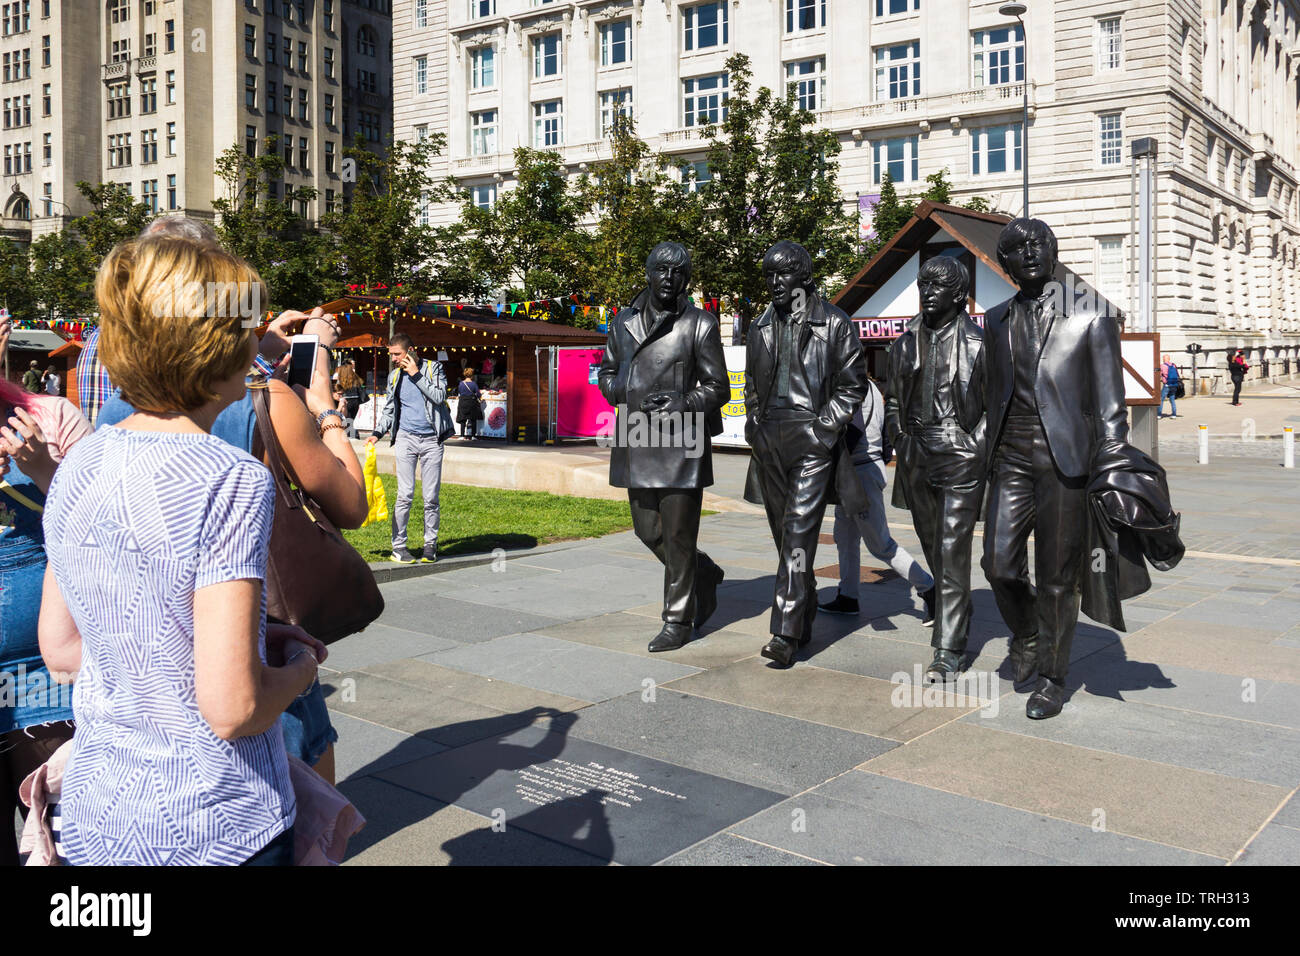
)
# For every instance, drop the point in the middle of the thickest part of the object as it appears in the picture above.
(149, 92)
(914, 86)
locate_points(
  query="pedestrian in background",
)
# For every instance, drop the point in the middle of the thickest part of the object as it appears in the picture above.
(468, 410)
(1169, 382)
(1237, 369)
(32, 377)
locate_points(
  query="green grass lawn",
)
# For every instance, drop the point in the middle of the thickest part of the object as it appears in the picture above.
(475, 520)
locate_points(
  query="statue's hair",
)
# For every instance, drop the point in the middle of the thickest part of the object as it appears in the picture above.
(948, 272)
(1018, 230)
(670, 253)
(788, 252)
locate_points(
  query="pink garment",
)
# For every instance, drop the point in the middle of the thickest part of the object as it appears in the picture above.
(324, 822)
(60, 420)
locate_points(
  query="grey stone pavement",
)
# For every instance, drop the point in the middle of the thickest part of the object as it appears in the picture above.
(508, 712)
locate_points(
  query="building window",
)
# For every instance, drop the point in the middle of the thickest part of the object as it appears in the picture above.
(149, 6)
(250, 41)
(45, 51)
(482, 67)
(705, 25)
(422, 133)
(169, 36)
(121, 51)
(898, 157)
(119, 100)
(482, 133)
(614, 103)
(149, 193)
(303, 151)
(48, 192)
(421, 13)
(250, 90)
(302, 103)
(171, 139)
(616, 43)
(171, 191)
(271, 44)
(329, 109)
(366, 41)
(329, 200)
(171, 87)
(150, 44)
(149, 146)
(119, 11)
(119, 150)
(47, 149)
(695, 175)
(422, 74)
(546, 55)
(288, 151)
(898, 71)
(804, 15)
(149, 95)
(704, 99)
(328, 12)
(272, 96)
(485, 197)
(998, 56)
(46, 99)
(482, 8)
(368, 80)
(250, 140)
(286, 45)
(890, 8)
(329, 156)
(302, 57)
(995, 149)
(1110, 138)
(369, 125)
(329, 63)
(1109, 43)
(809, 79)
(1112, 278)
(548, 123)
(288, 101)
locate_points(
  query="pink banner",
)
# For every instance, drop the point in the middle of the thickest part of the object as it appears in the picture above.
(578, 402)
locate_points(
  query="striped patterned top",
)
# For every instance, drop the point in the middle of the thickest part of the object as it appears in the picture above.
(135, 523)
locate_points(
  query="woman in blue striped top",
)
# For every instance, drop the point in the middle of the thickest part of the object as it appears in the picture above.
(154, 599)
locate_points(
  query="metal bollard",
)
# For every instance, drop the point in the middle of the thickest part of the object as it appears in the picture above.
(1204, 457)
(1288, 447)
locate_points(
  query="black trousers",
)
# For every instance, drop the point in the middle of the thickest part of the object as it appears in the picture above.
(1028, 494)
(1236, 390)
(942, 487)
(667, 521)
(795, 472)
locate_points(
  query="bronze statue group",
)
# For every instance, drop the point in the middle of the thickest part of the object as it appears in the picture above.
(1023, 421)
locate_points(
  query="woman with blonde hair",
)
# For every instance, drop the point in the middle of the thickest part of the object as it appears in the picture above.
(154, 600)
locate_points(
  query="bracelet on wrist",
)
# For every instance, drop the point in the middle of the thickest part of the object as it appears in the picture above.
(320, 419)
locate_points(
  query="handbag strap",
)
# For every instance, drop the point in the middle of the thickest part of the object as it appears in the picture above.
(271, 446)
(21, 498)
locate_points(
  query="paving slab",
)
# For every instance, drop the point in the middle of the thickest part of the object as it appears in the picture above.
(1191, 809)
(1221, 648)
(727, 849)
(806, 692)
(381, 643)
(1275, 846)
(862, 818)
(607, 802)
(562, 667)
(463, 622)
(409, 829)
(631, 633)
(766, 750)
(364, 747)
(1289, 815)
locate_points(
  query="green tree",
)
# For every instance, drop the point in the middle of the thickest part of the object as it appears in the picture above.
(63, 275)
(17, 288)
(114, 217)
(772, 176)
(377, 234)
(292, 256)
(637, 204)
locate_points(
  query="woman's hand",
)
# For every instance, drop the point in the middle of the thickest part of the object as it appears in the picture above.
(324, 325)
(23, 441)
(285, 640)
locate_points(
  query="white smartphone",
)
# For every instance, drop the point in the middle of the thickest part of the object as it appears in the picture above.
(302, 359)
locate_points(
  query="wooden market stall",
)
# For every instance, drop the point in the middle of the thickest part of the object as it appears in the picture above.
(503, 350)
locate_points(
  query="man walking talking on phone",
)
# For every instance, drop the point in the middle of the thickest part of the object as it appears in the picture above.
(415, 410)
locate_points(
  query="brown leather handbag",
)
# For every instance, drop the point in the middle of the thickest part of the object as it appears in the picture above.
(314, 578)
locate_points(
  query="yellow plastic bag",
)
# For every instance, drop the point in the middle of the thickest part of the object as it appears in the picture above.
(375, 497)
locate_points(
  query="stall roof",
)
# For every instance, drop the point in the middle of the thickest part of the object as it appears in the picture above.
(35, 340)
(977, 231)
(480, 318)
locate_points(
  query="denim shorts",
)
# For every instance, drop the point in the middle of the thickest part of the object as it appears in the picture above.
(307, 728)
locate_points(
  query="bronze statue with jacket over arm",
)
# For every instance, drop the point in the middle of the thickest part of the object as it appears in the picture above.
(1054, 394)
(934, 416)
(664, 371)
(805, 376)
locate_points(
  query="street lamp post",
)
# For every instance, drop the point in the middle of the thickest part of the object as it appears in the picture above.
(1018, 10)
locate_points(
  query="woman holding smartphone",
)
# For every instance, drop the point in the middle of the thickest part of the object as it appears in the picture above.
(154, 599)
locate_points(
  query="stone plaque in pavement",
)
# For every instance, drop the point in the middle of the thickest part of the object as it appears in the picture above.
(607, 802)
